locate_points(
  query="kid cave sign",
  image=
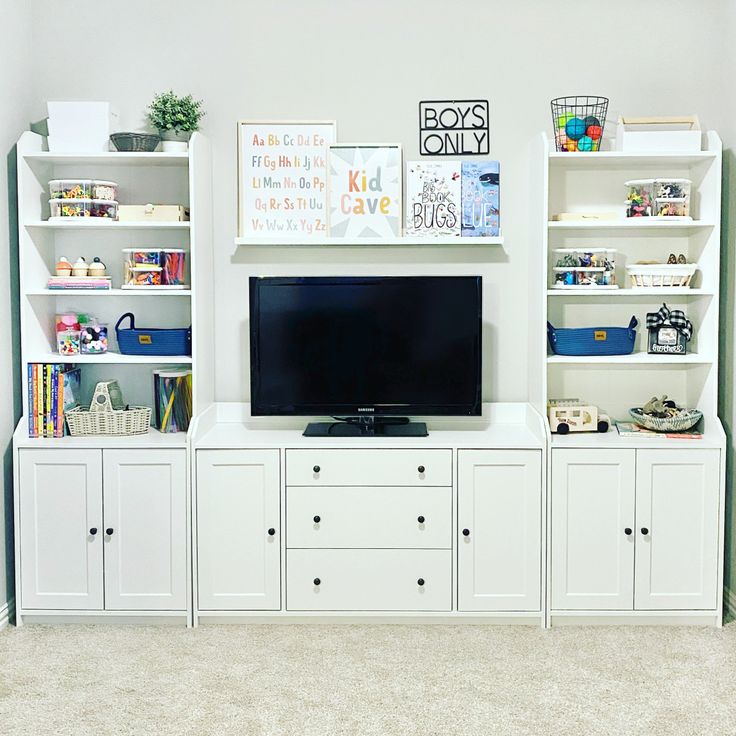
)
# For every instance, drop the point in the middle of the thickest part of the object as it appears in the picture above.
(454, 128)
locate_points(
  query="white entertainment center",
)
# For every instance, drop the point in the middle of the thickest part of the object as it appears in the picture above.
(489, 519)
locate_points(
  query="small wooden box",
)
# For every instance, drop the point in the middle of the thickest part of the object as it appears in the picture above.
(152, 213)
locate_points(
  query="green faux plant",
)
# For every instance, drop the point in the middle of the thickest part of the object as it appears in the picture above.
(169, 112)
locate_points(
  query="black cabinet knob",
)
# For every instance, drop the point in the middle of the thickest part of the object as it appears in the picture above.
(93, 531)
(421, 468)
(271, 532)
(627, 531)
(466, 532)
(316, 468)
(316, 581)
(109, 531)
(420, 519)
(317, 519)
(644, 531)
(420, 582)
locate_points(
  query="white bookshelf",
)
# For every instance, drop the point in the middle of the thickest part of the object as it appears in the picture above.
(591, 182)
(161, 178)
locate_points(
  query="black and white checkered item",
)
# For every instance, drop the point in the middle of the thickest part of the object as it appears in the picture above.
(675, 317)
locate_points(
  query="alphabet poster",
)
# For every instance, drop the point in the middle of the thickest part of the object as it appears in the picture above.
(365, 191)
(433, 198)
(282, 178)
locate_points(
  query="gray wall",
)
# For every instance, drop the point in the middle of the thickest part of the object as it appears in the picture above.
(15, 97)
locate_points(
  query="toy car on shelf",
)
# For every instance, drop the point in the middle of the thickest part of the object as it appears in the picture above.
(572, 415)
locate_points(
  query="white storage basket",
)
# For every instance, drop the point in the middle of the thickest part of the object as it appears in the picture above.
(135, 420)
(661, 275)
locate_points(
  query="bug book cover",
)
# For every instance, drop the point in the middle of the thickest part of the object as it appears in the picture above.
(433, 198)
(481, 211)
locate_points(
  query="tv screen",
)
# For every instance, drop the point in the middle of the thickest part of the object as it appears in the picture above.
(357, 346)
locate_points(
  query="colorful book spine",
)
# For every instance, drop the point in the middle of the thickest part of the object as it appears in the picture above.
(48, 426)
(59, 424)
(38, 403)
(32, 431)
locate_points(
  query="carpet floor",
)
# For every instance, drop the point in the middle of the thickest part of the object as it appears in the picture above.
(365, 680)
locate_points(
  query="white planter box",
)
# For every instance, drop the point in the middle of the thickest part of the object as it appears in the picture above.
(647, 135)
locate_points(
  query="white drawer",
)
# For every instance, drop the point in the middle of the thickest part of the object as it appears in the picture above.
(368, 580)
(373, 516)
(369, 467)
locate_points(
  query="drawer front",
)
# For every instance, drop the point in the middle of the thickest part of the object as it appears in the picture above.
(373, 516)
(368, 467)
(368, 580)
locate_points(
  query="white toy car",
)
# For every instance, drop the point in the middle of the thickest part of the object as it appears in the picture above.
(572, 415)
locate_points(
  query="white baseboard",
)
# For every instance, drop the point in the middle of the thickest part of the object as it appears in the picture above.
(729, 600)
(6, 611)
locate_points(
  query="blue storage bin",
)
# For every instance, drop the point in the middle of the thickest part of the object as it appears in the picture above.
(136, 341)
(592, 340)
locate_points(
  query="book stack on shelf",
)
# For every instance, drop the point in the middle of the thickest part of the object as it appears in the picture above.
(53, 389)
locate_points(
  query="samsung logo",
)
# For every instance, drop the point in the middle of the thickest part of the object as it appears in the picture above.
(366, 409)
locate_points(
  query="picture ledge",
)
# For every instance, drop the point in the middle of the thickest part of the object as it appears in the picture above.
(441, 240)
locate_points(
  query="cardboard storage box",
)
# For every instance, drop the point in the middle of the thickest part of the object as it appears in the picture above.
(152, 213)
(659, 134)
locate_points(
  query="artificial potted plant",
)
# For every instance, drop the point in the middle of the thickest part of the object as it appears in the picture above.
(175, 118)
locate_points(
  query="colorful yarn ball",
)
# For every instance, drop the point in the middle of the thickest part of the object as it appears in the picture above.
(585, 143)
(592, 120)
(594, 132)
(571, 145)
(563, 119)
(575, 128)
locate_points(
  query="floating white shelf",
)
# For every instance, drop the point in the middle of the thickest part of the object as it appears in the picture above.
(110, 358)
(442, 240)
(153, 291)
(641, 358)
(638, 293)
(101, 223)
(112, 158)
(615, 159)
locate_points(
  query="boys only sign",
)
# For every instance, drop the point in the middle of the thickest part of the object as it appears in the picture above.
(454, 128)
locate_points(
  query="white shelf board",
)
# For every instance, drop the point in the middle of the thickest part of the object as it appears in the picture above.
(153, 439)
(102, 223)
(641, 358)
(442, 240)
(110, 358)
(632, 223)
(638, 293)
(625, 159)
(111, 158)
(153, 291)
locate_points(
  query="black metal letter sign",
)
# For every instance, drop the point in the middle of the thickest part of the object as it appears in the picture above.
(454, 128)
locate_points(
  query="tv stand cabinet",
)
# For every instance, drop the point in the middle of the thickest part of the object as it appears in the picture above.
(440, 528)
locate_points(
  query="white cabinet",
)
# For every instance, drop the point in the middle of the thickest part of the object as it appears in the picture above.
(499, 530)
(635, 530)
(592, 550)
(61, 529)
(145, 535)
(103, 530)
(238, 530)
(677, 498)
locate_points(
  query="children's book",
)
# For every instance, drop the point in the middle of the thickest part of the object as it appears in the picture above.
(630, 429)
(433, 190)
(481, 211)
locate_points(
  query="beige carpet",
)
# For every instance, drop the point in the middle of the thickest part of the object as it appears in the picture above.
(365, 680)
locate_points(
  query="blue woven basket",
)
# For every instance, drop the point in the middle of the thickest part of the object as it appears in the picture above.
(134, 341)
(592, 340)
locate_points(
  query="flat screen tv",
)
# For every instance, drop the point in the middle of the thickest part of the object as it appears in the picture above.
(381, 346)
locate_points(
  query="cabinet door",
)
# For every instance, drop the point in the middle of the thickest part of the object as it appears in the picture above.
(238, 547)
(499, 530)
(61, 529)
(592, 548)
(677, 498)
(145, 530)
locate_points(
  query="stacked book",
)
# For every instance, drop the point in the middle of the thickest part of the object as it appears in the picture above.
(172, 400)
(52, 390)
(79, 282)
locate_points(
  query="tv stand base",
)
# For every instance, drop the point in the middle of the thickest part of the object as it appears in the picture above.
(365, 427)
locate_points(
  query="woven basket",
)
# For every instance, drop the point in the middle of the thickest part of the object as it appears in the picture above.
(662, 275)
(82, 421)
(592, 340)
(686, 419)
(136, 142)
(156, 341)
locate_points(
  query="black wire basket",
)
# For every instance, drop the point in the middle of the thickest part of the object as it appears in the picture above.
(578, 122)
